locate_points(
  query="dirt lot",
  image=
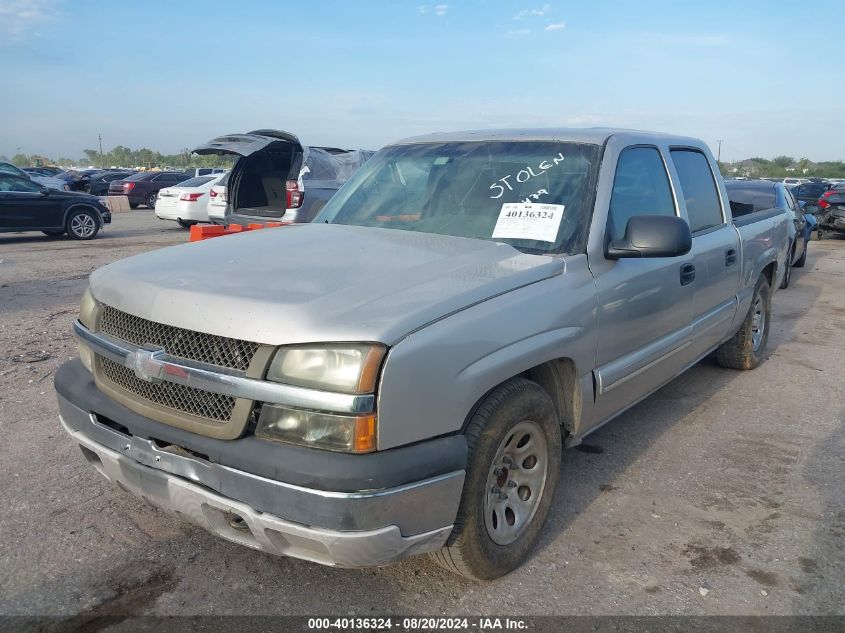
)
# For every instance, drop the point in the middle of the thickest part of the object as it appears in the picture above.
(724, 493)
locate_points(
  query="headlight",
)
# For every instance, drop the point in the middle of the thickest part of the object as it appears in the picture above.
(343, 367)
(350, 433)
(87, 310)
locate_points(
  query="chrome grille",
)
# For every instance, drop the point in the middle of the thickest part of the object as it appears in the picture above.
(180, 398)
(205, 348)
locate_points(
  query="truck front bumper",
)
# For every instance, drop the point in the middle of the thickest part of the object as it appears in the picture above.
(346, 529)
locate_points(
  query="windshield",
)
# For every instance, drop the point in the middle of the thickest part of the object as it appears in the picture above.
(8, 168)
(534, 195)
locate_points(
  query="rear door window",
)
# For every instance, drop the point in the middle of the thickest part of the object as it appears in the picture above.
(698, 188)
(640, 187)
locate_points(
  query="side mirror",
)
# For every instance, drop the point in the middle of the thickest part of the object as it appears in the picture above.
(45, 191)
(652, 236)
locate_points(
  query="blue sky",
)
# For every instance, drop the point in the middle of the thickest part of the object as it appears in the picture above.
(168, 75)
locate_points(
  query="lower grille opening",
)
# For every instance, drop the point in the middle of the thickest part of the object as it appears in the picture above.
(175, 449)
(114, 426)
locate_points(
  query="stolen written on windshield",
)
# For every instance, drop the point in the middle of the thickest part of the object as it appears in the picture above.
(529, 221)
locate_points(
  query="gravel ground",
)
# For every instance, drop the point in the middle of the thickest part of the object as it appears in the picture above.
(723, 493)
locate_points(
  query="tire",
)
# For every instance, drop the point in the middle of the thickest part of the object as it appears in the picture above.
(133, 205)
(821, 234)
(185, 224)
(82, 224)
(787, 275)
(800, 263)
(151, 200)
(484, 543)
(745, 349)
(57, 233)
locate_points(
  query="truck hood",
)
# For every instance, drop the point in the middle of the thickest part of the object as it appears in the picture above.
(316, 282)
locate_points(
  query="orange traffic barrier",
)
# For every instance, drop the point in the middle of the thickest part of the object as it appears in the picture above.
(201, 232)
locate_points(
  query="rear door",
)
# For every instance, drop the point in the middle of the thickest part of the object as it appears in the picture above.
(267, 160)
(715, 248)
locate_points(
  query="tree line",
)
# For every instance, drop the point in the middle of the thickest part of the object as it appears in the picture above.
(783, 167)
(122, 156)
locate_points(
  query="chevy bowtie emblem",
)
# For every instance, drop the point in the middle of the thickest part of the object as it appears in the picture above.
(147, 364)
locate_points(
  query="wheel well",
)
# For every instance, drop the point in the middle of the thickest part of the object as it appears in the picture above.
(769, 272)
(559, 379)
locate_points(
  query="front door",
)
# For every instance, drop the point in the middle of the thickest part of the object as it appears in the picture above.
(24, 206)
(644, 305)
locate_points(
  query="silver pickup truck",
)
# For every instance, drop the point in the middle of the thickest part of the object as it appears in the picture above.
(400, 375)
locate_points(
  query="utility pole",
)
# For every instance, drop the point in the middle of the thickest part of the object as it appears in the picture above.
(719, 152)
(100, 138)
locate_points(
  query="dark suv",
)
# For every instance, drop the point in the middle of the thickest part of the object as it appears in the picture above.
(143, 187)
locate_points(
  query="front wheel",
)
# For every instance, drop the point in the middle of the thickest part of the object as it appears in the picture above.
(82, 225)
(514, 442)
(745, 349)
(151, 200)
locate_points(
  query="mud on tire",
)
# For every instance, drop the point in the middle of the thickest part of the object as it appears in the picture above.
(746, 348)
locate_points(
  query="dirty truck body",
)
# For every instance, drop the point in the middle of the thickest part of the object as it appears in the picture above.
(399, 376)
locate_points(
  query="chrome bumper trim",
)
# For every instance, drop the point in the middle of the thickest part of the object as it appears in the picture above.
(414, 508)
(155, 365)
(239, 522)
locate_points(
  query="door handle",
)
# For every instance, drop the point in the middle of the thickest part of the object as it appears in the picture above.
(687, 274)
(730, 257)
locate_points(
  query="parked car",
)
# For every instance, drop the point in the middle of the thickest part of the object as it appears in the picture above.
(187, 202)
(28, 206)
(49, 172)
(809, 193)
(217, 199)
(143, 187)
(832, 215)
(47, 181)
(400, 375)
(764, 197)
(208, 171)
(98, 182)
(277, 179)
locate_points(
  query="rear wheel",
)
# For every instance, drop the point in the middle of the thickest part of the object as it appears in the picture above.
(745, 349)
(82, 224)
(787, 275)
(514, 442)
(56, 233)
(151, 200)
(800, 263)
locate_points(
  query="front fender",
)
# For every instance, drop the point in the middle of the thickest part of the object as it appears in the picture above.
(433, 377)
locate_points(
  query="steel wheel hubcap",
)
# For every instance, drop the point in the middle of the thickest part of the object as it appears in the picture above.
(83, 225)
(516, 482)
(758, 323)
